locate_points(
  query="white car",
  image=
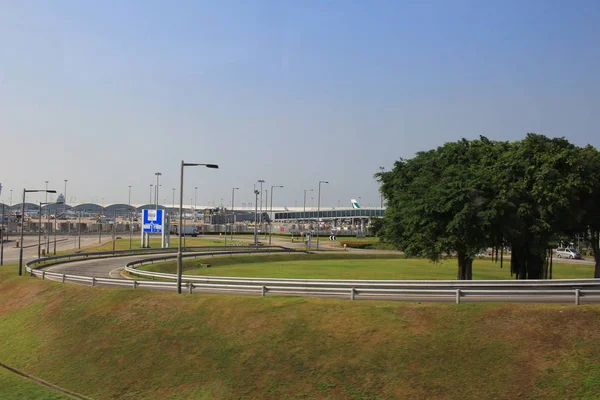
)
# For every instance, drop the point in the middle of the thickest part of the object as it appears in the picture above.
(567, 253)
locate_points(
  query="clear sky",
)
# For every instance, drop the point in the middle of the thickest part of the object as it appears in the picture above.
(106, 93)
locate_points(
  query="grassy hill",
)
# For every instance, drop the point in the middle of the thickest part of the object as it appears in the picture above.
(125, 344)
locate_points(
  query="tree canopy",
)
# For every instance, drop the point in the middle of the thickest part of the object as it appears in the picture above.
(472, 194)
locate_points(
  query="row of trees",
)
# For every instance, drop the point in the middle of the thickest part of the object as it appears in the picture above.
(464, 196)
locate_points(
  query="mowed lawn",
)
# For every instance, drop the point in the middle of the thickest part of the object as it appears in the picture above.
(138, 344)
(352, 266)
(123, 243)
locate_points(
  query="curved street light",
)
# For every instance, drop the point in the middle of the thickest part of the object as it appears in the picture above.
(180, 227)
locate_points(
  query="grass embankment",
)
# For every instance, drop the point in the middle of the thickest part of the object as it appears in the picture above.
(126, 344)
(15, 387)
(350, 266)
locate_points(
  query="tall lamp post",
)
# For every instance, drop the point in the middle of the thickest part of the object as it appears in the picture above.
(158, 174)
(306, 190)
(319, 210)
(25, 191)
(261, 181)
(233, 211)
(256, 193)
(270, 223)
(130, 217)
(179, 253)
(150, 201)
(266, 207)
(195, 200)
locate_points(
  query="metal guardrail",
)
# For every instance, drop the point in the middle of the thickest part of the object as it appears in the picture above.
(567, 290)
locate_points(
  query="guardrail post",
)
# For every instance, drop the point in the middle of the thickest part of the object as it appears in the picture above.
(43, 274)
(577, 294)
(352, 292)
(190, 287)
(30, 271)
(457, 296)
(93, 281)
(63, 278)
(263, 291)
(134, 283)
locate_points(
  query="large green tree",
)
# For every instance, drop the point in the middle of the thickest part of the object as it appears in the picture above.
(470, 194)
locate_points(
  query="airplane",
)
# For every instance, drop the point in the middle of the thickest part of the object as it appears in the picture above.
(355, 204)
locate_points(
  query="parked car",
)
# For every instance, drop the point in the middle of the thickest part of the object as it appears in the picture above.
(567, 253)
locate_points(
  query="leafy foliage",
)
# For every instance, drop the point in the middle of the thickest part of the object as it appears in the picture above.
(471, 194)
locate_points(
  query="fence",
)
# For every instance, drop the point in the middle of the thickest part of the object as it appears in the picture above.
(562, 291)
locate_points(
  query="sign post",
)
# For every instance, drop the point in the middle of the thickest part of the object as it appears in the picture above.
(153, 221)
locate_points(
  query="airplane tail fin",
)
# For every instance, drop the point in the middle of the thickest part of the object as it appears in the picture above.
(355, 204)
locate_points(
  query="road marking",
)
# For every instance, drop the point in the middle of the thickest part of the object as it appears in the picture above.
(116, 269)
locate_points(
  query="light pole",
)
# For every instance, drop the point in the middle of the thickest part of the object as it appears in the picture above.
(66, 180)
(319, 210)
(195, 199)
(232, 211)
(306, 190)
(272, 217)
(158, 174)
(25, 191)
(173, 204)
(261, 181)
(179, 253)
(130, 217)
(256, 193)
(381, 194)
(150, 201)
(266, 207)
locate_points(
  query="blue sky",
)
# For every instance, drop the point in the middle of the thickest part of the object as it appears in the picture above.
(104, 94)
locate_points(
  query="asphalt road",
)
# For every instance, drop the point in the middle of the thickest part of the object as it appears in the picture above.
(63, 243)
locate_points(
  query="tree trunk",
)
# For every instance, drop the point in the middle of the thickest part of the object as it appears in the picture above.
(596, 248)
(465, 267)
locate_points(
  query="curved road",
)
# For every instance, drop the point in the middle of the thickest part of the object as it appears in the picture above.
(112, 268)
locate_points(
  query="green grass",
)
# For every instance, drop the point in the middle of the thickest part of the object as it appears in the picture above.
(126, 344)
(15, 387)
(123, 243)
(351, 266)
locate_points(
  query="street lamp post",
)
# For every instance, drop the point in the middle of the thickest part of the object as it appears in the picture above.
(79, 230)
(233, 211)
(130, 217)
(158, 174)
(319, 210)
(173, 204)
(306, 190)
(266, 207)
(272, 217)
(256, 193)
(25, 191)
(179, 253)
(261, 181)
(150, 201)
(195, 200)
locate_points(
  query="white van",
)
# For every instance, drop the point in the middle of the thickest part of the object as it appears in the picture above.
(567, 253)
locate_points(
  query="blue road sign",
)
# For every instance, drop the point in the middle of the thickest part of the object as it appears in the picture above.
(153, 221)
